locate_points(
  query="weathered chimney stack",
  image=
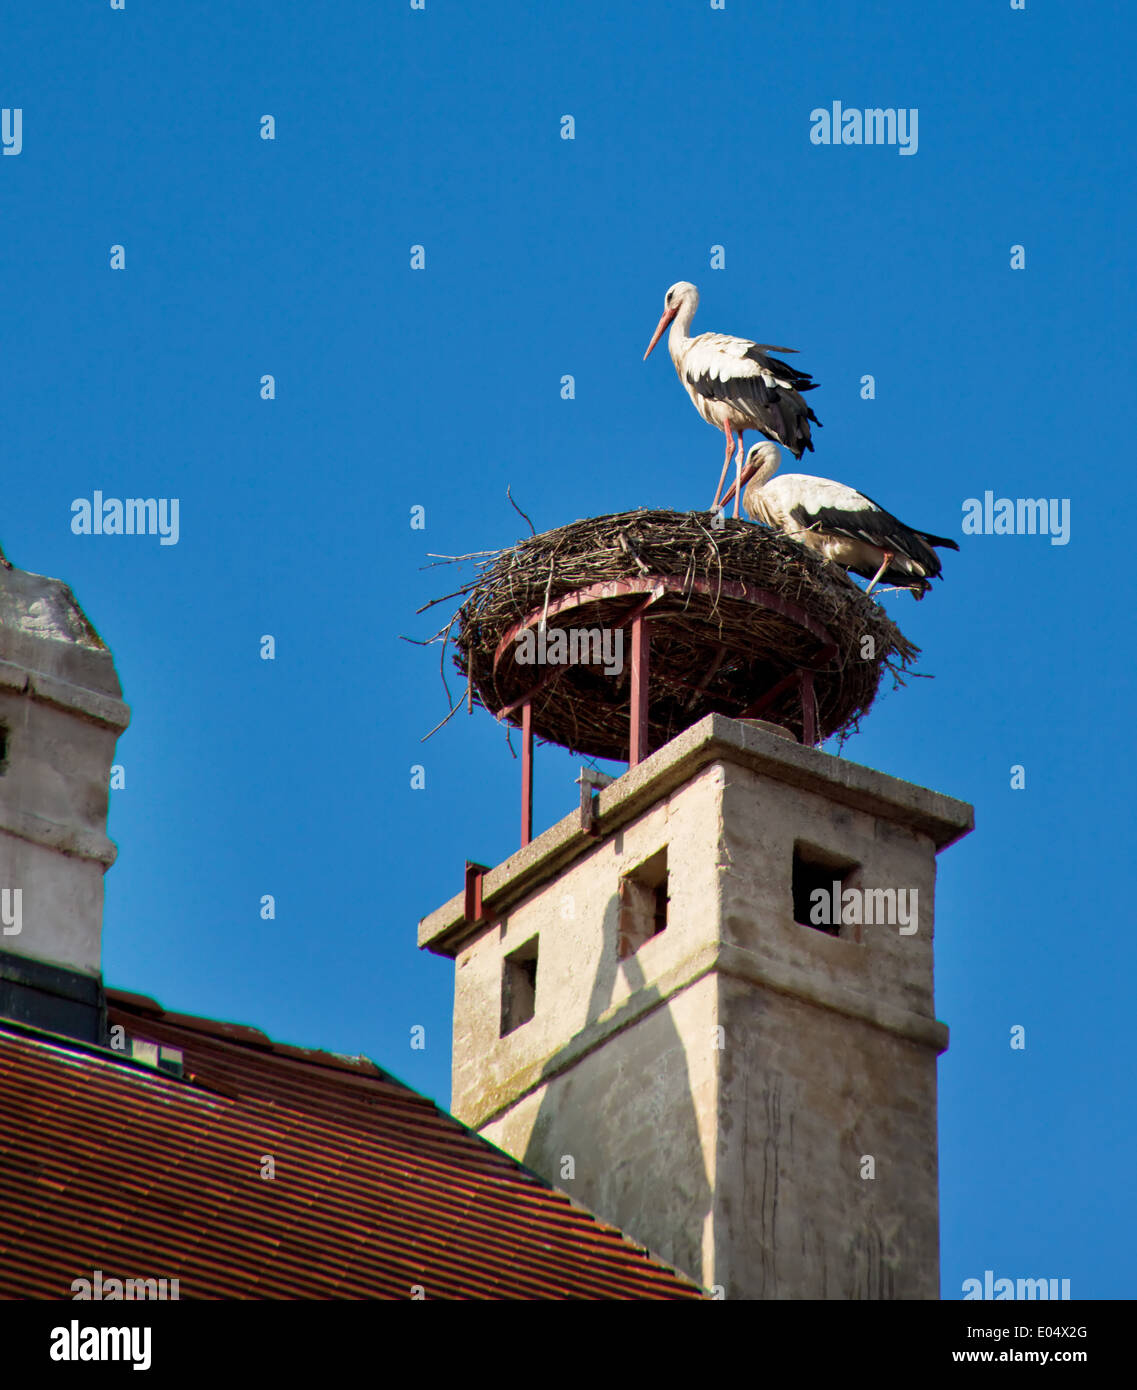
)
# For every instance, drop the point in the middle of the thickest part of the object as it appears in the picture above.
(660, 1016)
(61, 713)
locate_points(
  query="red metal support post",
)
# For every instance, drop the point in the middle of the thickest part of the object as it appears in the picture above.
(641, 681)
(526, 773)
(474, 875)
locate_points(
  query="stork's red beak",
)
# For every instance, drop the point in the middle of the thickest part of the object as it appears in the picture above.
(668, 315)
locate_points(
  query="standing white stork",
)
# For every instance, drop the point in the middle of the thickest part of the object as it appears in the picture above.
(733, 384)
(840, 523)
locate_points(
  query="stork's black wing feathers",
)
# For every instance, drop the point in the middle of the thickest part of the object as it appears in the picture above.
(779, 411)
(880, 528)
(925, 536)
(800, 381)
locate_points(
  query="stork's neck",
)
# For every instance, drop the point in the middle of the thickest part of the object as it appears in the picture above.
(679, 326)
(765, 473)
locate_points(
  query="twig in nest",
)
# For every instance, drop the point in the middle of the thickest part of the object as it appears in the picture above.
(454, 711)
(454, 559)
(517, 509)
(629, 550)
(465, 589)
(429, 641)
(442, 659)
(549, 584)
(715, 549)
(892, 589)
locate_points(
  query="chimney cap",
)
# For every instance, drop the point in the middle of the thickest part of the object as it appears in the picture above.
(715, 738)
(43, 629)
(45, 608)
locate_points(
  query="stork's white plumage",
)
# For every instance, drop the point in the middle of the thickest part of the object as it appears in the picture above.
(840, 523)
(734, 384)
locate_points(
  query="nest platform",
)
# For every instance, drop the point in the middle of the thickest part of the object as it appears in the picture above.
(728, 618)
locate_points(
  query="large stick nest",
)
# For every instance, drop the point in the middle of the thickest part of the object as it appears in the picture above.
(711, 650)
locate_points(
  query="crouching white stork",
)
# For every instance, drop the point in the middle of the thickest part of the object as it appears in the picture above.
(733, 384)
(840, 523)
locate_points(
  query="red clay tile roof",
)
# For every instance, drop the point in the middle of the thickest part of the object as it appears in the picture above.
(110, 1165)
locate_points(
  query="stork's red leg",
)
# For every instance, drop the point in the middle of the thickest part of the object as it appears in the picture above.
(726, 463)
(738, 473)
(889, 556)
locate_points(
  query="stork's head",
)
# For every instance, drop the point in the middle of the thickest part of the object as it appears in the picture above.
(762, 462)
(681, 295)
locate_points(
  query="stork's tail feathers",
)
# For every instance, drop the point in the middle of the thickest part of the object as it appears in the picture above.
(937, 540)
(804, 439)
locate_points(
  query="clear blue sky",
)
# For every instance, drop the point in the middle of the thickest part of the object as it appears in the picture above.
(438, 387)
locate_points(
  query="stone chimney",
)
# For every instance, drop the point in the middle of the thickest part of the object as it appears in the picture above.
(61, 713)
(660, 1015)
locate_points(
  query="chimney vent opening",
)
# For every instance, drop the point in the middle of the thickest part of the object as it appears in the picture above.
(817, 870)
(519, 987)
(643, 904)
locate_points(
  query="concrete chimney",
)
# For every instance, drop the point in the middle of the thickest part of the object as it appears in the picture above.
(662, 1017)
(61, 713)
